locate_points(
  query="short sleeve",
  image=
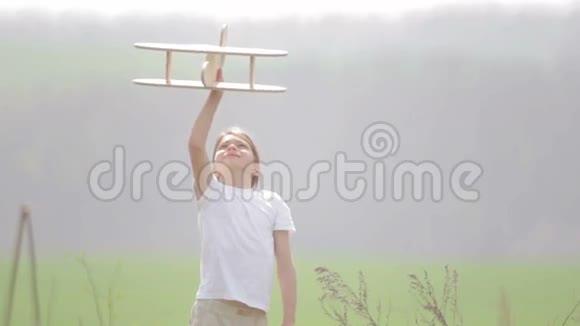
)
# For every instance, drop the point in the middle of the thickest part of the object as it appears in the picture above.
(212, 193)
(284, 220)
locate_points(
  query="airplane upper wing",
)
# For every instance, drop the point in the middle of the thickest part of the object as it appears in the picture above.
(207, 48)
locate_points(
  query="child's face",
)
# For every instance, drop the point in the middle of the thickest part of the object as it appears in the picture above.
(234, 152)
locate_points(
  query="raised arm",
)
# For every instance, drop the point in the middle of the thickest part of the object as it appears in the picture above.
(198, 138)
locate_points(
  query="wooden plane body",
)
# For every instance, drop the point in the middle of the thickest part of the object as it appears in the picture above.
(214, 60)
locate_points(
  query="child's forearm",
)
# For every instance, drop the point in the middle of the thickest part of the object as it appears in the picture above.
(202, 124)
(287, 276)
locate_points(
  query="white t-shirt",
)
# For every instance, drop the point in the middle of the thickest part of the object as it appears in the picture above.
(237, 244)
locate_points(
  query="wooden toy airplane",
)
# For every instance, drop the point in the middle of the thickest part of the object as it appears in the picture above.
(215, 58)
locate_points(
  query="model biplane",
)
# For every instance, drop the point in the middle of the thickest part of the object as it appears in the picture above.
(214, 60)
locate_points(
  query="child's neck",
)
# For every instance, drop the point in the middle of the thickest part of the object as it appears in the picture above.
(238, 181)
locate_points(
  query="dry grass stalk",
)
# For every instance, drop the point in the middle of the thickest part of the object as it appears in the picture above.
(94, 290)
(111, 293)
(504, 310)
(336, 290)
(50, 301)
(438, 310)
(24, 222)
(96, 296)
(570, 316)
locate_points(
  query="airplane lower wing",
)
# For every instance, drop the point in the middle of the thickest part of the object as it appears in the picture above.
(198, 84)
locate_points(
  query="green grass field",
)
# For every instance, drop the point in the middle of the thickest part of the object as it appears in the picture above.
(160, 291)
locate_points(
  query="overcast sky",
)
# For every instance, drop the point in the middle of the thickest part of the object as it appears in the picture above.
(262, 8)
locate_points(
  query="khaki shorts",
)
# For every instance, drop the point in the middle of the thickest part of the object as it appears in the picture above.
(221, 313)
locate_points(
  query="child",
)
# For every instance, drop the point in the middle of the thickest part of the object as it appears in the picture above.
(243, 231)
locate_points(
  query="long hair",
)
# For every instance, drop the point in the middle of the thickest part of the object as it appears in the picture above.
(237, 131)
